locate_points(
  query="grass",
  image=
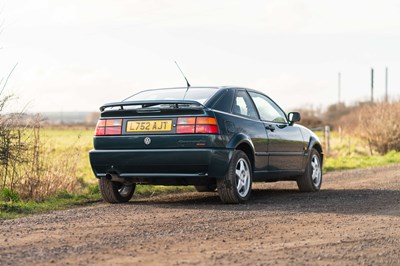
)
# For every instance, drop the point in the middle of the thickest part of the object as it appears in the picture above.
(61, 140)
(346, 153)
(361, 161)
(16, 209)
(10, 209)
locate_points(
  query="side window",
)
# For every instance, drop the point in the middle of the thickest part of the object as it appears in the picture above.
(225, 102)
(267, 109)
(243, 105)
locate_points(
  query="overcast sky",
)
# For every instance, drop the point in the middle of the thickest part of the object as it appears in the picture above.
(77, 55)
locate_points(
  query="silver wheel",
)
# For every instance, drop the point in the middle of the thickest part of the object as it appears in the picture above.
(235, 187)
(125, 190)
(311, 180)
(316, 170)
(242, 177)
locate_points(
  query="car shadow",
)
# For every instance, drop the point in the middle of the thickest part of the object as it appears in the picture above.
(344, 201)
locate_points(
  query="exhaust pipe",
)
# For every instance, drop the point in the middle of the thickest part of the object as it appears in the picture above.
(115, 178)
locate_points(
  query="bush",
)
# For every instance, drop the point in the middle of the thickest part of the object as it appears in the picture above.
(311, 118)
(379, 125)
(334, 113)
(27, 166)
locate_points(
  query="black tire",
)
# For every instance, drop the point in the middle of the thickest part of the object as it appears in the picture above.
(207, 188)
(311, 180)
(235, 187)
(115, 192)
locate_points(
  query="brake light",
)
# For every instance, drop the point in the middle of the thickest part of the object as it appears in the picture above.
(197, 125)
(185, 129)
(207, 129)
(108, 127)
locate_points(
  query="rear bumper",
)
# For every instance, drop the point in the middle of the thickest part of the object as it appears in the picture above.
(161, 163)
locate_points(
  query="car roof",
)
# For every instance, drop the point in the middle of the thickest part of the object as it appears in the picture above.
(203, 87)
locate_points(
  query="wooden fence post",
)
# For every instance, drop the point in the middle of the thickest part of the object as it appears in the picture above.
(327, 131)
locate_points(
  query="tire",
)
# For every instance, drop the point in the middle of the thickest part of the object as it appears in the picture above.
(311, 180)
(115, 192)
(207, 188)
(235, 187)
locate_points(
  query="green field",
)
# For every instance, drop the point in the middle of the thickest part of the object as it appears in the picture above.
(76, 141)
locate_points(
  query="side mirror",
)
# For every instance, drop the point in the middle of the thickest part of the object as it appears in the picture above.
(294, 117)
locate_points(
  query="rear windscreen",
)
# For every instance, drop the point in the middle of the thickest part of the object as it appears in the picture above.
(200, 95)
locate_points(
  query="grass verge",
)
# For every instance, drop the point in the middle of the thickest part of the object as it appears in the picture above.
(11, 207)
(16, 209)
(361, 161)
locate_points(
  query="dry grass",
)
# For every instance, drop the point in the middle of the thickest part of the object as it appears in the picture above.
(52, 177)
(29, 167)
(377, 124)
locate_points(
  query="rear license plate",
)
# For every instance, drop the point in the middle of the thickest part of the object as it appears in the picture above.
(149, 126)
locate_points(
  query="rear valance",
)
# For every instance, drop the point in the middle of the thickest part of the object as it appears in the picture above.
(171, 104)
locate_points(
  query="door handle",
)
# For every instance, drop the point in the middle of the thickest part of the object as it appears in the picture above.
(270, 127)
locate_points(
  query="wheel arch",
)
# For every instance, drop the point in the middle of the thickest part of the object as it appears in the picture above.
(306, 181)
(243, 143)
(318, 147)
(314, 143)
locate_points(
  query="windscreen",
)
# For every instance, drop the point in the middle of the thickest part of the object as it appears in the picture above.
(200, 95)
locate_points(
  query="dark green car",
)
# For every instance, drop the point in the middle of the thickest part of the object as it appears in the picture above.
(215, 138)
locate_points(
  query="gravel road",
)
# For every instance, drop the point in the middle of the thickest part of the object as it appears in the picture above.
(353, 220)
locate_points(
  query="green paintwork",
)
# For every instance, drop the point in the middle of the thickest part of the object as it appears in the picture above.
(193, 159)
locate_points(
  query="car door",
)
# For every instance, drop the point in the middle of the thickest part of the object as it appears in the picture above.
(285, 142)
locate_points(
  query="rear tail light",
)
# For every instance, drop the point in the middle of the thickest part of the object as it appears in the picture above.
(108, 127)
(197, 125)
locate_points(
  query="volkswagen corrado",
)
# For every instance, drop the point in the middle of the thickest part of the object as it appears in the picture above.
(214, 138)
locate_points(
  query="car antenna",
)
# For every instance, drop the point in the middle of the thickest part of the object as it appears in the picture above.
(187, 82)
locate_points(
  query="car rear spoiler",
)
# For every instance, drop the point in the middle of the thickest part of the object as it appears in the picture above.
(144, 104)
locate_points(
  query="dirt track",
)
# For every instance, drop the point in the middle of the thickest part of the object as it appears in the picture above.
(353, 220)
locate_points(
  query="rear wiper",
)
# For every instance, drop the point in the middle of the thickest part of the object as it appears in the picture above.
(146, 105)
